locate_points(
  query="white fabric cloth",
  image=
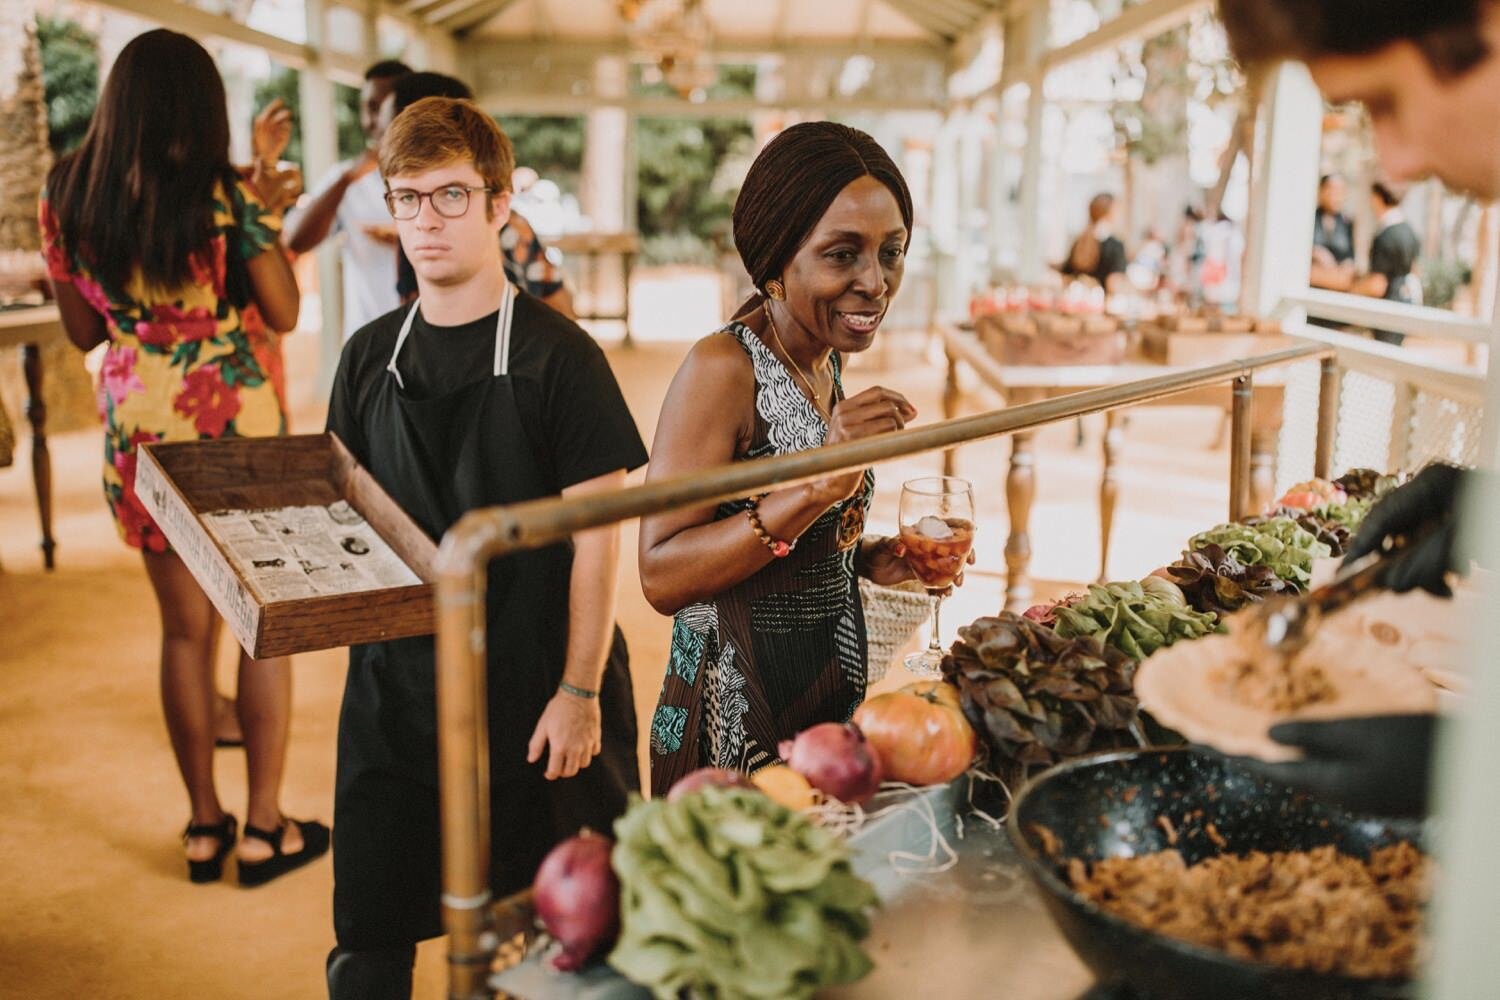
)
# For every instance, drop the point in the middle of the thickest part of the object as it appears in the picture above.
(369, 266)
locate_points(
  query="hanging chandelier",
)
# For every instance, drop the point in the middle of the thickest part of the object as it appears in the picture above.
(676, 36)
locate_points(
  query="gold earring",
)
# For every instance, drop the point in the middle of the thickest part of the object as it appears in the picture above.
(776, 290)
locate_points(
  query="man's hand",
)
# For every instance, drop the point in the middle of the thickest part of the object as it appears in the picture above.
(884, 562)
(571, 727)
(1379, 765)
(271, 132)
(1423, 514)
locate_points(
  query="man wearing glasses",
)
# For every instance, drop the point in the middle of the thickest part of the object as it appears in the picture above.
(474, 396)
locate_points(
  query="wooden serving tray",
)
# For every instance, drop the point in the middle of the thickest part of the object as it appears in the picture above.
(1039, 338)
(180, 482)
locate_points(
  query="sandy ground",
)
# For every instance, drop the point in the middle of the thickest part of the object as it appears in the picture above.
(97, 904)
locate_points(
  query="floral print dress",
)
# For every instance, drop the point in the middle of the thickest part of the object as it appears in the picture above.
(182, 364)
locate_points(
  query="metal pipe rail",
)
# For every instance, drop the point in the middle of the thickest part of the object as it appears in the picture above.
(482, 535)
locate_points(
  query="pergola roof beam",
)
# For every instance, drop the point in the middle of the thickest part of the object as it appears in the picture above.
(449, 9)
(667, 107)
(928, 18)
(479, 51)
(1145, 20)
(339, 66)
(472, 19)
(967, 10)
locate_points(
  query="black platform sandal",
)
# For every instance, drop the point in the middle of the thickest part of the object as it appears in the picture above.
(211, 869)
(315, 838)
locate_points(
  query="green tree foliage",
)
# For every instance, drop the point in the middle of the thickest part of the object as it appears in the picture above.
(70, 73)
(550, 145)
(690, 171)
(284, 84)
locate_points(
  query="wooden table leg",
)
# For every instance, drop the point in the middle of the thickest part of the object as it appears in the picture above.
(41, 459)
(1109, 486)
(950, 408)
(1262, 468)
(1265, 438)
(627, 262)
(1020, 491)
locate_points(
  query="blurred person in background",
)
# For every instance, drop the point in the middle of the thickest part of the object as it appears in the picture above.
(1393, 257)
(1185, 257)
(348, 202)
(160, 249)
(1097, 252)
(1333, 236)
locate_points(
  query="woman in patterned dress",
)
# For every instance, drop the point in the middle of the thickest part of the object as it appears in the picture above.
(769, 634)
(159, 248)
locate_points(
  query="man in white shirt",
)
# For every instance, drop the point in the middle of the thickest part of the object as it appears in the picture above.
(350, 201)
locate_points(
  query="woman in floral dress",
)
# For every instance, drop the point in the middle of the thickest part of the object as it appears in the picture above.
(159, 248)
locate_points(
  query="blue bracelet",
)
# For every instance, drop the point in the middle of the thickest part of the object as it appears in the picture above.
(576, 692)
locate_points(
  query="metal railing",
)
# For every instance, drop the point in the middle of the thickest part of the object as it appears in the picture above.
(1396, 409)
(1360, 310)
(483, 535)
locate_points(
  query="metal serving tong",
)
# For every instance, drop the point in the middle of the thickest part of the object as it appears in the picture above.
(1287, 624)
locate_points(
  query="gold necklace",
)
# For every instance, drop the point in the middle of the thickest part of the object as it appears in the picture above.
(812, 393)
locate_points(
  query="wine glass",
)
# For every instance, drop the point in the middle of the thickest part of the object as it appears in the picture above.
(937, 529)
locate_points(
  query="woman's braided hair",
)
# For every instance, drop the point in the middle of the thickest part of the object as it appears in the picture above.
(791, 184)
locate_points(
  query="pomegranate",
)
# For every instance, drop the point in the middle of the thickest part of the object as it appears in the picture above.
(577, 898)
(836, 759)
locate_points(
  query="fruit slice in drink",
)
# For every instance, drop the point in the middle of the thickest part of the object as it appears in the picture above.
(937, 548)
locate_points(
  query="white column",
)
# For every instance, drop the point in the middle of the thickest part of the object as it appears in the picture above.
(945, 223)
(968, 272)
(608, 176)
(995, 189)
(320, 153)
(1284, 190)
(1032, 267)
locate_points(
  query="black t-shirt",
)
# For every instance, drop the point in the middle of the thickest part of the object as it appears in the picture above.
(570, 404)
(1335, 233)
(1111, 261)
(1392, 253)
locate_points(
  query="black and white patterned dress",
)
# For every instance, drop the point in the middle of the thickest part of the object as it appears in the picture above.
(784, 649)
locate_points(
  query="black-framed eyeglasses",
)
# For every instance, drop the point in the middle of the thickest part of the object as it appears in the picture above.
(450, 201)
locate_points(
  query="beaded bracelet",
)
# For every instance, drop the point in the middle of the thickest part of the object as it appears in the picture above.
(778, 548)
(576, 692)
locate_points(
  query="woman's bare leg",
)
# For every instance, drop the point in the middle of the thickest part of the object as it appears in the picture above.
(187, 687)
(265, 710)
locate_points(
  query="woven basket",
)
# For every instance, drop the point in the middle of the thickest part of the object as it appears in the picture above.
(892, 614)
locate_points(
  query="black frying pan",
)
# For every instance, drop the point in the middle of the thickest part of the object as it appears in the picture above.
(1088, 806)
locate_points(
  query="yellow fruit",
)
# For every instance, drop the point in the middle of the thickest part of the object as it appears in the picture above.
(784, 786)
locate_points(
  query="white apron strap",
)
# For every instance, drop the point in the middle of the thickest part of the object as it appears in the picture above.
(502, 331)
(502, 336)
(400, 340)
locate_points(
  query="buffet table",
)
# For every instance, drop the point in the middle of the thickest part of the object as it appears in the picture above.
(30, 327)
(1028, 383)
(957, 933)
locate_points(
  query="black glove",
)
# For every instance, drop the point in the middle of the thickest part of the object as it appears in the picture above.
(1423, 511)
(1379, 765)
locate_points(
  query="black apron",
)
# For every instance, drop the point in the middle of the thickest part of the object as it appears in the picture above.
(439, 458)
